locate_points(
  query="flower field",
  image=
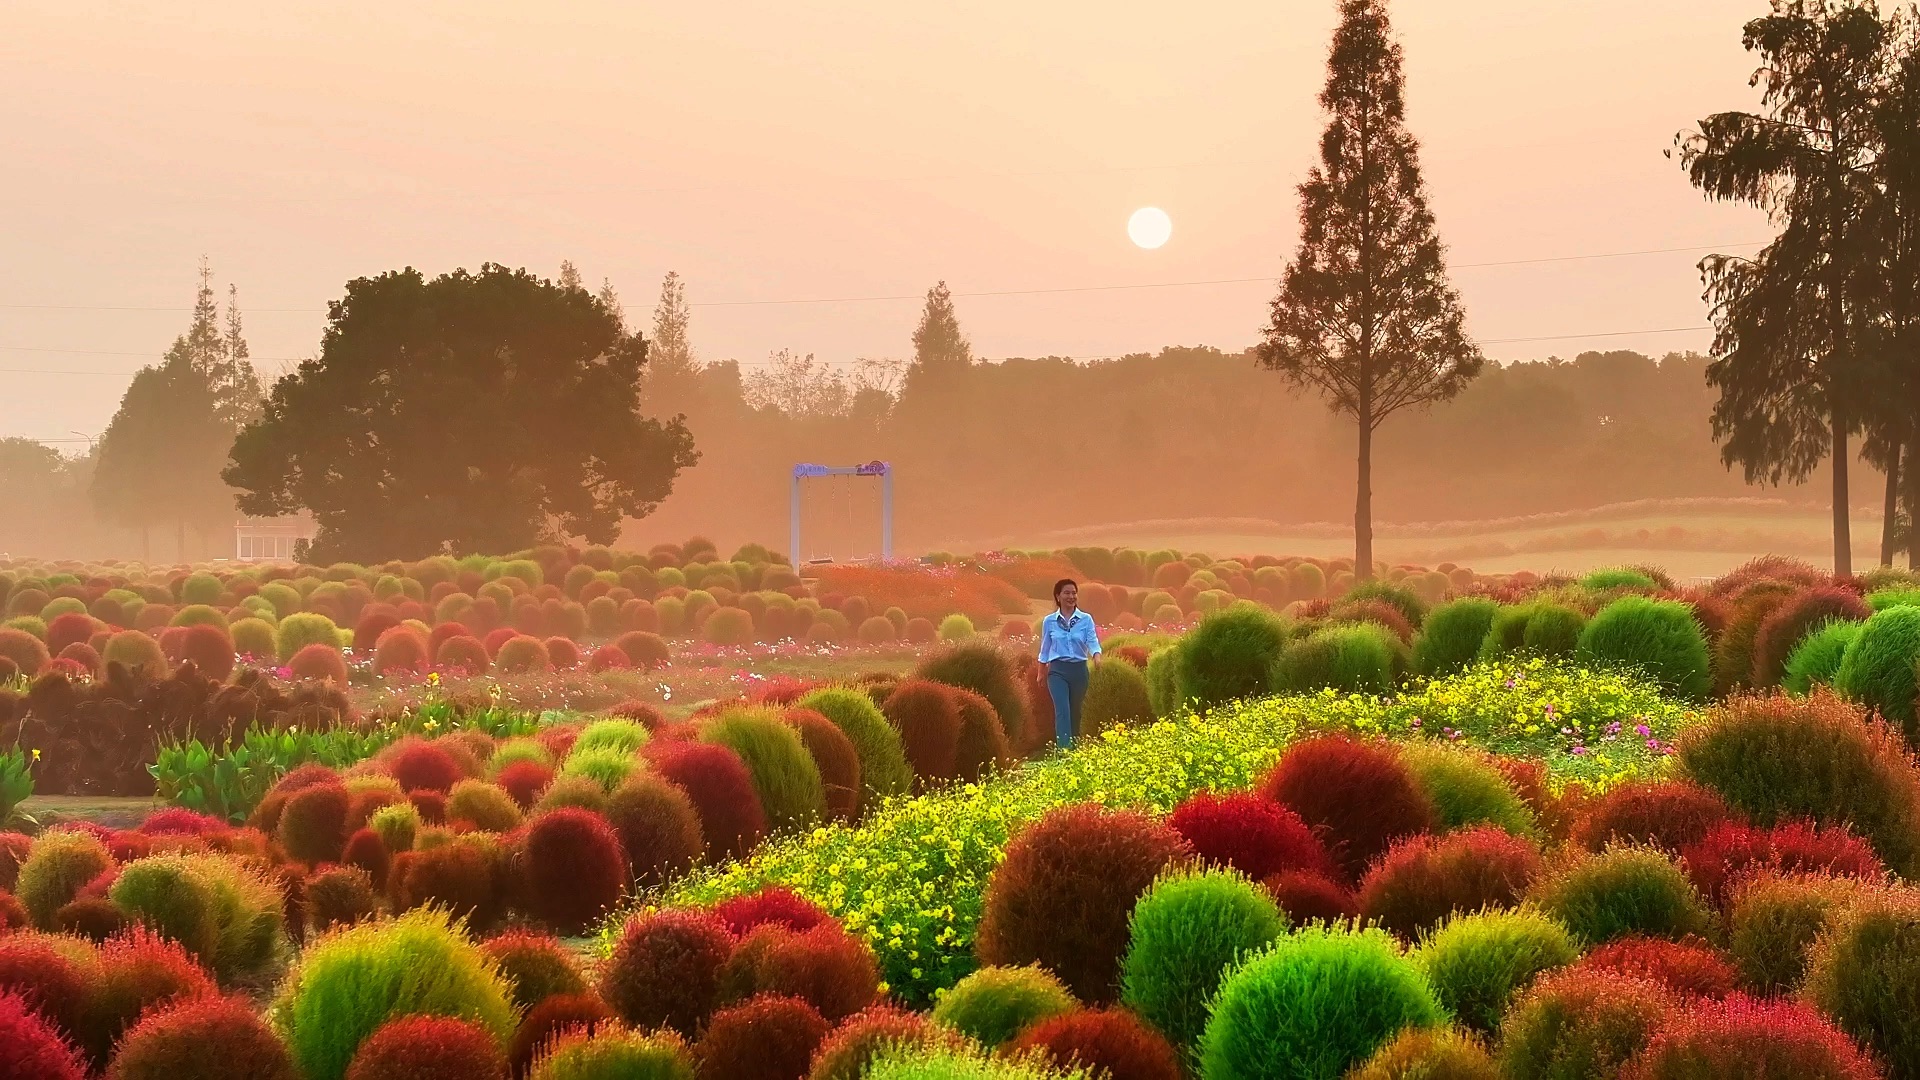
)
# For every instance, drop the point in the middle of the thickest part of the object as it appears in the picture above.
(1433, 825)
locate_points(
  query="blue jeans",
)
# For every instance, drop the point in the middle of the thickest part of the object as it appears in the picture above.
(1067, 683)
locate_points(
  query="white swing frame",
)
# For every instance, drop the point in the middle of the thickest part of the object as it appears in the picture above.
(878, 469)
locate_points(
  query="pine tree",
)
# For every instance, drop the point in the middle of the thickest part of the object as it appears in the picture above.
(570, 276)
(673, 375)
(1365, 314)
(611, 301)
(941, 353)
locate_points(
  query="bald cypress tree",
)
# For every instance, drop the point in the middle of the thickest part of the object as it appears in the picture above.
(1365, 314)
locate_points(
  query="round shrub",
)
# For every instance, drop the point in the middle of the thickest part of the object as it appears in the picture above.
(429, 1048)
(30, 1047)
(253, 639)
(1423, 879)
(320, 662)
(1064, 893)
(1576, 1023)
(607, 767)
(664, 970)
(644, 649)
(994, 1004)
(1877, 670)
(1777, 759)
(956, 628)
(926, 714)
(1658, 637)
(28, 653)
(38, 971)
(349, 984)
(459, 875)
(1429, 1054)
(573, 869)
(721, 790)
(614, 1054)
(1672, 815)
(770, 905)
(659, 829)
(463, 652)
(1782, 631)
(824, 966)
(1112, 1041)
(209, 1038)
(59, 864)
(556, 1018)
(210, 649)
(1358, 795)
(833, 754)
(981, 667)
(1692, 968)
(485, 806)
(1743, 1037)
(1466, 788)
(1229, 655)
(1116, 697)
(769, 1037)
(1186, 932)
(1552, 630)
(401, 650)
(1731, 852)
(612, 733)
(1256, 836)
(784, 775)
(1864, 973)
(1815, 661)
(1314, 1005)
(136, 652)
(521, 655)
(733, 626)
(1451, 635)
(313, 823)
(884, 772)
(1360, 658)
(338, 896)
(137, 971)
(301, 629)
(1773, 922)
(983, 744)
(862, 1039)
(536, 966)
(1479, 962)
(1620, 891)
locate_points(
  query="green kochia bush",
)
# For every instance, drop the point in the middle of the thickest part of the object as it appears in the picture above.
(1451, 636)
(1553, 630)
(1314, 1005)
(994, 1004)
(1117, 695)
(1356, 657)
(350, 983)
(1479, 962)
(1877, 670)
(1660, 637)
(224, 913)
(1624, 890)
(1816, 659)
(1163, 685)
(1187, 932)
(1230, 655)
(784, 774)
(300, 630)
(59, 864)
(981, 667)
(1467, 788)
(1865, 975)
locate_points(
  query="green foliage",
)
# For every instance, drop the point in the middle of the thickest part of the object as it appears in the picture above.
(884, 772)
(58, 865)
(1163, 687)
(1117, 696)
(1479, 962)
(612, 733)
(1877, 670)
(784, 774)
(1403, 599)
(1187, 932)
(1553, 630)
(606, 766)
(994, 1004)
(1865, 974)
(254, 637)
(299, 630)
(611, 1052)
(348, 984)
(1624, 890)
(1658, 637)
(1230, 655)
(1898, 596)
(16, 782)
(1774, 921)
(1619, 577)
(956, 627)
(1354, 657)
(961, 1063)
(1451, 635)
(1314, 1005)
(220, 910)
(1816, 659)
(1467, 788)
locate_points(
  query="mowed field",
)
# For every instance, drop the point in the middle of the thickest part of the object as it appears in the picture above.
(1687, 537)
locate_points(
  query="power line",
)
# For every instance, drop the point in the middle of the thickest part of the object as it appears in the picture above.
(112, 352)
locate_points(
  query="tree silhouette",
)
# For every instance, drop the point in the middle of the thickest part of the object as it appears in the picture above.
(1365, 314)
(941, 353)
(474, 412)
(1793, 325)
(673, 374)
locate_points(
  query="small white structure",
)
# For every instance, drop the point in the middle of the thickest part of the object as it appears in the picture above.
(269, 539)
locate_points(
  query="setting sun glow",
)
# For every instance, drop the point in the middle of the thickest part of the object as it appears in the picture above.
(1149, 227)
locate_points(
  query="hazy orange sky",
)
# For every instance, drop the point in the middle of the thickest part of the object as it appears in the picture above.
(776, 151)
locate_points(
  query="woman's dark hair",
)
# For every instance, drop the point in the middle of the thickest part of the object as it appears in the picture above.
(1062, 584)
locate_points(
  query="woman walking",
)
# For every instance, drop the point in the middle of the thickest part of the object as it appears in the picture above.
(1067, 642)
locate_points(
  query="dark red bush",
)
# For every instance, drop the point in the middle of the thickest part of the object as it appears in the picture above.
(31, 1049)
(538, 966)
(312, 825)
(769, 1037)
(658, 827)
(525, 780)
(338, 896)
(1732, 852)
(665, 970)
(13, 851)
(428, 1048)
(647, 715)
(1113, 1041)
(457, 877)
(838, 761)
(551, 1018)
(1065, 892)
(644, 648)
(72, 628)
(366, 851)
(462, 652)
(92, 917)
(210, 649)
(563, 654)
(774, 905)
(1669, 814)
(1792, 620)
(32, 970)
(210, 1038)
(1689, 967)
(1356, 795)
(402, 649)
(320, 662)
(1255, 836)
(573, 869)
(138, 970)
(372, 624)
(1741, 1037)
(983, 746)
(722, 791)
(13, 914)
(826, 967)
(498, 637)
(1423, 879)
(608, 658)
(927, 716)
(423, 766)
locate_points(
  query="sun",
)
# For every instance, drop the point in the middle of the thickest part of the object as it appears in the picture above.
(1149, 227)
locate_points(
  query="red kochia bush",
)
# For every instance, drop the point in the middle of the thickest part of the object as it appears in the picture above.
(538, 966)
(1731, 852)
(1356, 795)
(771, 905)
(180, 821)
(13, 914)
(428, 1048)
(210, 648)
(1790, 621)
(1113, 1041)
(826, 967)
(401, 649)
(665, 970)
(525, 780)
(498, 637)
(1064, 894)
(833, 753)
(421, 766)
(769, 1037)
(462, 652)
(644, 649)
(1688, 967)
(722, 790)
(372, 624)
(312, 826)
(31, 1048)
(1422, 879)
(72, 628)
(550, 1019)
(1255, 836)
(138, 970)
(562, 653)
(1762, 1040)
(456, 876)
(608, 658)
(213, 1038)
(320, 662)
(658, 827)
(573, 869)
(1668, 814)
(853, 1045)
(40, 975)
(927, 716)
